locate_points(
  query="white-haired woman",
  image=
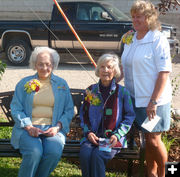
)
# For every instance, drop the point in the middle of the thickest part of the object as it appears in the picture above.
(42, 110)
(107, 112)
(146, 64)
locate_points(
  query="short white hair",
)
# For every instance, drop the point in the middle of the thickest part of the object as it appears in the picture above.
(109, 57)
(53, 53)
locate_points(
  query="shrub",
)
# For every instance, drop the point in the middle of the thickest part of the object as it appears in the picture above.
(2, 68)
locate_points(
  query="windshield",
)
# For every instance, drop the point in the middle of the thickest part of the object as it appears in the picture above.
(116, 13)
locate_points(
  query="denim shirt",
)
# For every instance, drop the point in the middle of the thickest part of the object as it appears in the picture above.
(22, 102)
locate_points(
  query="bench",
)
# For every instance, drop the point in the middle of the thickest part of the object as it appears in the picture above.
(72, 146)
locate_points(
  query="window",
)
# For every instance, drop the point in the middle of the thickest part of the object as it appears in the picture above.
(89, 12)
(83, 13)
(96, 13)
(67, 9)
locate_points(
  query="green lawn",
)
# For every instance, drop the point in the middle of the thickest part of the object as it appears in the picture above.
(9, 168)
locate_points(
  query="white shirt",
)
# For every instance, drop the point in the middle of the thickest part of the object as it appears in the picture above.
(149, 56)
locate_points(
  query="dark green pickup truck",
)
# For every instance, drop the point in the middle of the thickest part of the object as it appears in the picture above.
(99, 25)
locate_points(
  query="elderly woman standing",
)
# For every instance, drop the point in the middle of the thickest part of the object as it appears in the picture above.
(146, 64)
(42, 109)
(107, 112)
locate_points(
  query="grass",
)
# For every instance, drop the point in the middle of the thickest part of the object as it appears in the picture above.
(9, 166)
(168, 142)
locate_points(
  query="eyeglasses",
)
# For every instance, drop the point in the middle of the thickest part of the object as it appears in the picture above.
(42, 65)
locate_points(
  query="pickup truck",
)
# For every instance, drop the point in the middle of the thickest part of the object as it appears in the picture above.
(99, 25)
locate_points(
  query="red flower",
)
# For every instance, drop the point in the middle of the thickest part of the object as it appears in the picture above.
(37, 89)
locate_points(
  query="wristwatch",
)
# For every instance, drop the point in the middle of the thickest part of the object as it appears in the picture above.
(153, 102)
(57, 127)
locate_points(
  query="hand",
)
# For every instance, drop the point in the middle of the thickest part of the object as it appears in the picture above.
(151, 110)
(113, 141)
(93, 138)
(51, 131)
(33, 131)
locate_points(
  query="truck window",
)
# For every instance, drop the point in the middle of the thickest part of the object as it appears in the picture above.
(96, 14)
(83, 12)
(116, 13)
(89, 12)
(67, 9)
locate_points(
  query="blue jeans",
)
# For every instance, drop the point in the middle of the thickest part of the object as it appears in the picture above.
(92, 161)
(40, 155)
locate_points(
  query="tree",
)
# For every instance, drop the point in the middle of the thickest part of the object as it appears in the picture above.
(2, 68)
(165, 5)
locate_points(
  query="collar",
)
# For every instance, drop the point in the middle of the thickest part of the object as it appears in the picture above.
(148, 38)
(113, 86)
(52, 78)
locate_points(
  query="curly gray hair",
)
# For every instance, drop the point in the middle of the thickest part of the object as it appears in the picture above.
(109, 57)
(53, 53)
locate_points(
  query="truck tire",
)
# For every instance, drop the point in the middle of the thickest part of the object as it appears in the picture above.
(18, 52)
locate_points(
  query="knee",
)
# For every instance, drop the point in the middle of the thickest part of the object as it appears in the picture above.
(35, 154)
(54, 156)
(56, 153)
(85, 154)
(96, 155)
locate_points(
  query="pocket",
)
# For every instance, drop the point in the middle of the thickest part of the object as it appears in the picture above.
(148, 57)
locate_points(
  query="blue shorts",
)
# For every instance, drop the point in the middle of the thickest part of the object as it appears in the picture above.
(163, 111)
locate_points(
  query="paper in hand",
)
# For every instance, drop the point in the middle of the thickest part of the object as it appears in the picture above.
(104, 145)
(150, 124)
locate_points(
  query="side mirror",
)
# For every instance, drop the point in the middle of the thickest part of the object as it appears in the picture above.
(106, 16)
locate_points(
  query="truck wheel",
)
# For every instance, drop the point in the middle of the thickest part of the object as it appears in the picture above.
(18, 52)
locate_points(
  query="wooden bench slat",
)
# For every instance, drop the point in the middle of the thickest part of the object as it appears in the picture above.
(70, 149)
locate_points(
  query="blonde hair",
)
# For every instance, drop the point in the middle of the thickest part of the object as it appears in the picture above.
(53, 53)
(149, 11)
(109, 57)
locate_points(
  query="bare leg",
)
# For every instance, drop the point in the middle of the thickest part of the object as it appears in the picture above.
(156, 155)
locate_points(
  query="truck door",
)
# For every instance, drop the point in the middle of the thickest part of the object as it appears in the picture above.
(61, 29)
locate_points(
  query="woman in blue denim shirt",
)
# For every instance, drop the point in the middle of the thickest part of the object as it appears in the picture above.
(42, 109)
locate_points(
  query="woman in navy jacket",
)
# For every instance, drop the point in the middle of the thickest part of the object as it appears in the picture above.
(107, 112)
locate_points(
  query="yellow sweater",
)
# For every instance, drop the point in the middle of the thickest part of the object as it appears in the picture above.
(43, 104)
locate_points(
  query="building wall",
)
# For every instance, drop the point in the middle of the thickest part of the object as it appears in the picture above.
(30, 9)
(23, 9)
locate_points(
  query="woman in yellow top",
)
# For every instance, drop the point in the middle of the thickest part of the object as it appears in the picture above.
(42, 109)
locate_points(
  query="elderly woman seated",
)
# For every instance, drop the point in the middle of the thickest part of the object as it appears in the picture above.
(106, 114)
(42, 109)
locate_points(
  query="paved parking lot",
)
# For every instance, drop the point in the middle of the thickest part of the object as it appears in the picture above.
(77, 76)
